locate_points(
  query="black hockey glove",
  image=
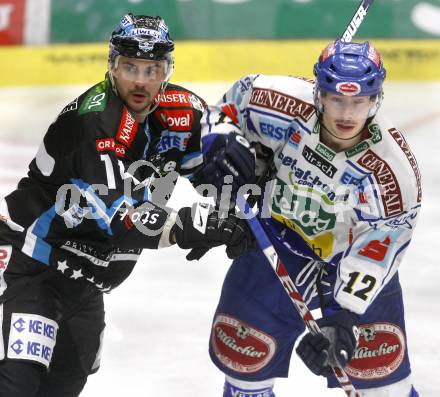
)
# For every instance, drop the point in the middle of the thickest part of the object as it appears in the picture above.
(201, 228)
(229, 155)
(334, 346)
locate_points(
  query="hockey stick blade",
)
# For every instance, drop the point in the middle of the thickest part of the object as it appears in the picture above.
(356, 21)
(289, 286)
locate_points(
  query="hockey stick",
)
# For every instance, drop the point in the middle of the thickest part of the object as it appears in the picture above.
(356, 21)
(289, 286)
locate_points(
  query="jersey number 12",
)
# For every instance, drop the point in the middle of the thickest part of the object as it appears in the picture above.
(367, 280)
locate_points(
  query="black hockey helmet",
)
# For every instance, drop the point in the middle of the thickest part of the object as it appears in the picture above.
(141, 36)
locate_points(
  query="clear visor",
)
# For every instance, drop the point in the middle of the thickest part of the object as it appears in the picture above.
(141, 71)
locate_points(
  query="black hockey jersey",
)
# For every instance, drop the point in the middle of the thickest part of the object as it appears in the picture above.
(76, 208)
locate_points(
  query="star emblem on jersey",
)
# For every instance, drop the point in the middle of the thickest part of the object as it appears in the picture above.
(62, 266)
(76, 274)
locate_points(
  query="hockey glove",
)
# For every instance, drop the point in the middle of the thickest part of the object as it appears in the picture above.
(334, 346)
(200, 227)
(229, 155)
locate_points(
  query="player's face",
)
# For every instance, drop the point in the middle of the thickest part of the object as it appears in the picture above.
(345, 116)
(138, 81)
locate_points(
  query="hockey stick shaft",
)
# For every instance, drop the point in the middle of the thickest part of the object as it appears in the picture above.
(289, 286)
(356, 21)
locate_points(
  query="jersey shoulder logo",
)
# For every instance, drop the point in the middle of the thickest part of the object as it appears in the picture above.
(95, 100)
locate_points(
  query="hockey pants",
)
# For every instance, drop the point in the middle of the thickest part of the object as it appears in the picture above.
(51, 333)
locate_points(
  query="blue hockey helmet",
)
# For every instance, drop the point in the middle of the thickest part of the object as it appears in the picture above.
(141, 36)
(350, 69)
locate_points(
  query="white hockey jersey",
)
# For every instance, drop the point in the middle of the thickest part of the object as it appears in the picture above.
(355, 209)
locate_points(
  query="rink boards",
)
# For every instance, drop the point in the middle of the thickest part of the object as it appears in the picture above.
(203, 61)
